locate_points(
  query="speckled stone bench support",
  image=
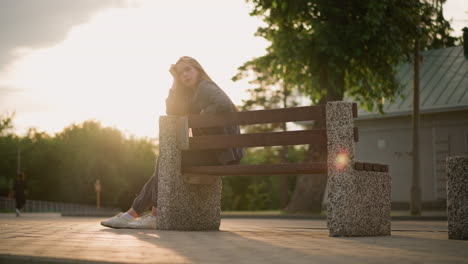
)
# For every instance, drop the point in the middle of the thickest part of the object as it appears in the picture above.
(183, 206)
(457, 197)
(358, 201)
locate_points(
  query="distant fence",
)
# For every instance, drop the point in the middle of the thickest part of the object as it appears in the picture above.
(7, 204)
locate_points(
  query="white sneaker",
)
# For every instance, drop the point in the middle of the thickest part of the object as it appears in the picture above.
(145, 222)
(18, 213)
(117, 221)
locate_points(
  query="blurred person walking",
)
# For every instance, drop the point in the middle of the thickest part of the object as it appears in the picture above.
(19, 189)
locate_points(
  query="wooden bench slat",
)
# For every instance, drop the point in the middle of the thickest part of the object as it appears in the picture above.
(355, 110)
(315, 136)
(359, 166)
(263, 169)
(293, 114)
(366, 166)
(384, 168)
(376, 167)
(356, 134)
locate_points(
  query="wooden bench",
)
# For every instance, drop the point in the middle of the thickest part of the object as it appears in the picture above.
(358, 192)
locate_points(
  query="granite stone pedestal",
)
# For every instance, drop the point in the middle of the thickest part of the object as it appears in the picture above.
(457, 197)
(183, 206)
(358, 201)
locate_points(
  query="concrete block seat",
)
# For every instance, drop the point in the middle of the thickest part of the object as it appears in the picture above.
(457, 197)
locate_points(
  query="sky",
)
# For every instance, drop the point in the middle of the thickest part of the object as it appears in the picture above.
(64, 61)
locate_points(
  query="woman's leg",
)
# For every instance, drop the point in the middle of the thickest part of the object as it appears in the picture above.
(149, 194)
(147, 197)
(141, 203)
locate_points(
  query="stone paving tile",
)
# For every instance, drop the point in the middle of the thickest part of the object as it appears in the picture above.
(69, 240)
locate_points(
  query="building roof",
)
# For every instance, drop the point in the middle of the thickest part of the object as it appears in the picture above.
(443, 84)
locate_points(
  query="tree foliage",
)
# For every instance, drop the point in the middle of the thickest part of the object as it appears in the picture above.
(326, 48)
(259, 192)
(64, 167)
(6, 123)
(265, 96)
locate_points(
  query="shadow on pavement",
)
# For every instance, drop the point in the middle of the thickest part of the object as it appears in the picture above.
(237, 246)
(302, 245)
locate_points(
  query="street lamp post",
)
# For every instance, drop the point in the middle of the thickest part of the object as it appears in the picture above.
(97, 188)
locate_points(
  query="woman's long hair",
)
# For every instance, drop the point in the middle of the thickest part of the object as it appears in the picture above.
(194, 63)
(202, 74)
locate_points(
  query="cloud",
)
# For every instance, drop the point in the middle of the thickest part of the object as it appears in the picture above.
(5, 91)
(41, 23)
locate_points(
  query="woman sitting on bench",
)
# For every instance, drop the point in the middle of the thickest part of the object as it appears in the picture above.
(192, 92)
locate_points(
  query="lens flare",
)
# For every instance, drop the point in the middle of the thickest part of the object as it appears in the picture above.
(342, 160)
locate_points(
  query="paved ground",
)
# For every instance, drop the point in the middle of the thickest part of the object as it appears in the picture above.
(49, 238)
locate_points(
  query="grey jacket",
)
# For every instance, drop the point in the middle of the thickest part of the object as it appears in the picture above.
(207, 98)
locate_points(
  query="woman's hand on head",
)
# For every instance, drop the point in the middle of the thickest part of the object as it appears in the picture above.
(173, 71)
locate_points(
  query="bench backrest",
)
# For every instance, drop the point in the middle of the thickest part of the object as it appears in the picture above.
(316, 137)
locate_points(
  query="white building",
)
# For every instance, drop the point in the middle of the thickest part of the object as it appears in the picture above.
(444, 126)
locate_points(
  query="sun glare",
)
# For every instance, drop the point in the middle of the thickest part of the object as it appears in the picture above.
(115, 67)
(342, 160)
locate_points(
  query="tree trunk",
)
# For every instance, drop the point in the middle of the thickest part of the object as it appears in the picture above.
(284, 188)
(310, 189)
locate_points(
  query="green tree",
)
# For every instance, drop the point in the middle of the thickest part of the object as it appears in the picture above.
(8, 153)
(326, 49)
(6, 123)
(64, 167)
(39, 162)
(269, 93)
(89, 152)
(260, 192)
